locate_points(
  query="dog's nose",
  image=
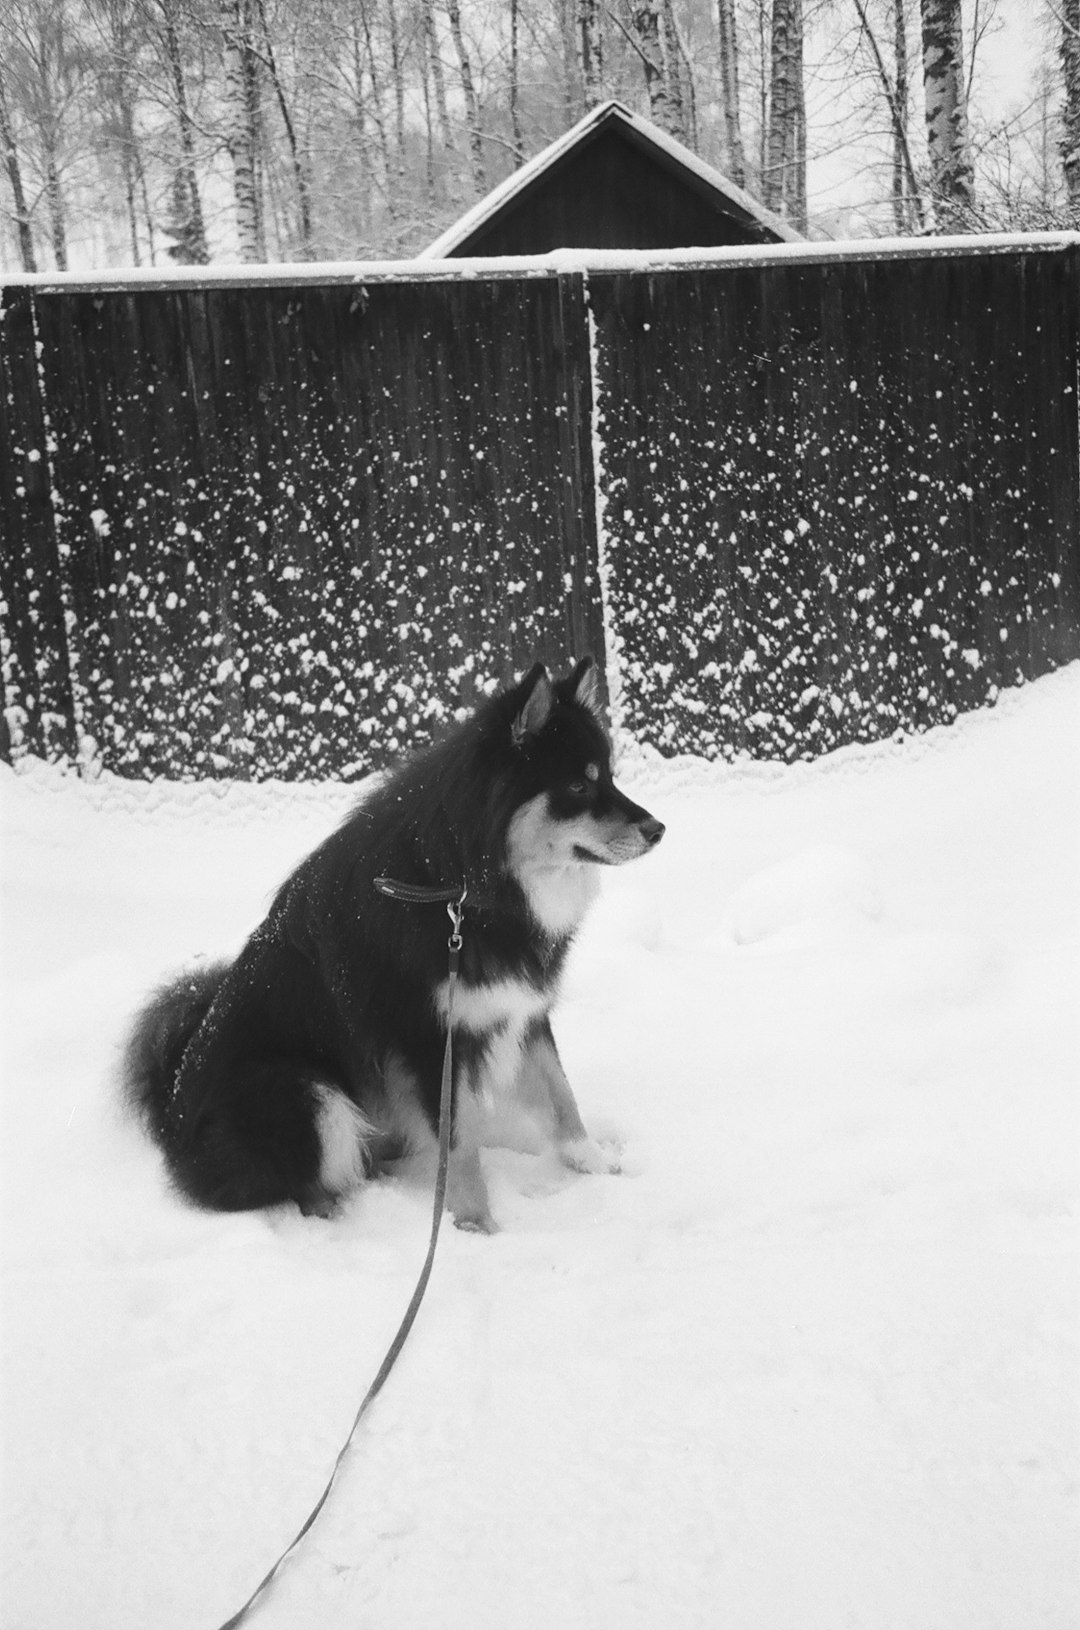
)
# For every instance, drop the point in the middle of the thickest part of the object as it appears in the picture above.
(652, 831)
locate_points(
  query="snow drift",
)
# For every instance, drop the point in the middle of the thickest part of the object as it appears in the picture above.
(809, 1362)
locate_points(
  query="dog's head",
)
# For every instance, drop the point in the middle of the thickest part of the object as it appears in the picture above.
(569, 811)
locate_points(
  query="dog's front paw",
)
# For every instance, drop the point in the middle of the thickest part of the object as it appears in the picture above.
(586, 1155)
(476, 1222)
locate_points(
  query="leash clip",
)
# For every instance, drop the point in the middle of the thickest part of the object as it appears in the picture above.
(455, 910)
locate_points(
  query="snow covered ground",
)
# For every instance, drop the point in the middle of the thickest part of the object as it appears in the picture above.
(810, 1363)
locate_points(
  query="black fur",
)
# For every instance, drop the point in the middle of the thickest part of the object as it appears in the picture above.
(229, 1064)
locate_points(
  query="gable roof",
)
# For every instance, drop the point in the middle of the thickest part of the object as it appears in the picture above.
(719, 195)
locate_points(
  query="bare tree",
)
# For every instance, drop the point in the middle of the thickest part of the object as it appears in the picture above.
(906, 202)
(187, 227)
(905, 192)
(570, 60)
(241, 124)
(48, 51)
(592, 61)
(984, 14)
(46, 66)
(784, 179)
(438, 73)
(661, 83)
(1070, 112)
(14, 172)
(680, 70)
(300, 180)
(122, 35)
(734, 156)
(796, 190)
(763, 29)
(951, 177)
(366, 58)
(517, 140)
(397, 76)
(468, 91)
(357, 126)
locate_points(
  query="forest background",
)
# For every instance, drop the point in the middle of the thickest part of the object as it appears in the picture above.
(157, 132)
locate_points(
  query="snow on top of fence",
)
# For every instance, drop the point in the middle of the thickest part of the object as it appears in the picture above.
(559, 262)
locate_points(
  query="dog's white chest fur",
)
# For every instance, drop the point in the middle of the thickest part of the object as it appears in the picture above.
(504, 1004)
(557, 884)
(559, 896)
(498, 1014)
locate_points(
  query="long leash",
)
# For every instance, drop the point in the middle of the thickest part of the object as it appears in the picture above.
(410, 894)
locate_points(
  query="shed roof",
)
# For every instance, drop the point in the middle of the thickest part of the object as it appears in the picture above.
(738, 216)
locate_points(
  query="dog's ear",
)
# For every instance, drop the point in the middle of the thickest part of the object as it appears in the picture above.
(536, 697)
(583, 686)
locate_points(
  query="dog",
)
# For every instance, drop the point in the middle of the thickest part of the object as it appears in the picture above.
(296, 1070)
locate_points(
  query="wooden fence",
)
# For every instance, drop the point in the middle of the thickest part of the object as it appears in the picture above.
(283, 531)
(286, 529)
(843, 498)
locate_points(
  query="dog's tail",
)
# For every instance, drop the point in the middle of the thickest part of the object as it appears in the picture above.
(158, 1039)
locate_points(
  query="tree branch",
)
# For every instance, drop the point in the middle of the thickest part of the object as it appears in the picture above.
(894, 111)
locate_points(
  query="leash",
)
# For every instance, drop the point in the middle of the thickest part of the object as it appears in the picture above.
(454, 900)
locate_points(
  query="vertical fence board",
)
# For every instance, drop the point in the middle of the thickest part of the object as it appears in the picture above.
(37, 712)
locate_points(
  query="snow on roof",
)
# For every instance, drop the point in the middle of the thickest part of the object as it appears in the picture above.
(648, 135)
(556, 263)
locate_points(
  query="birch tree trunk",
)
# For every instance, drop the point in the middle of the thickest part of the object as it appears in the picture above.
(762, 94)
(679, 75)
(253, 109)
(240, 136)
(784, 180)
(468, 90)
(571, 63)
(14, 172)
(396, 182)
(190, 229)
(128, 153)
(592, 63)
(900, 98)
(517, 140)
(951, 176)
(734, 154)
(796, 174)
(148, 214)
(1070, 112)
(54, 196)
(664, 105)
(429, 126)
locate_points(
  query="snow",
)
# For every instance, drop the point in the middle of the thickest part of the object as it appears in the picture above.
(554, 263)
(810, 1362)
(614, 647)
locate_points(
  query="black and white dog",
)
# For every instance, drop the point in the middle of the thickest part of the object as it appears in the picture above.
(291, 1072)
